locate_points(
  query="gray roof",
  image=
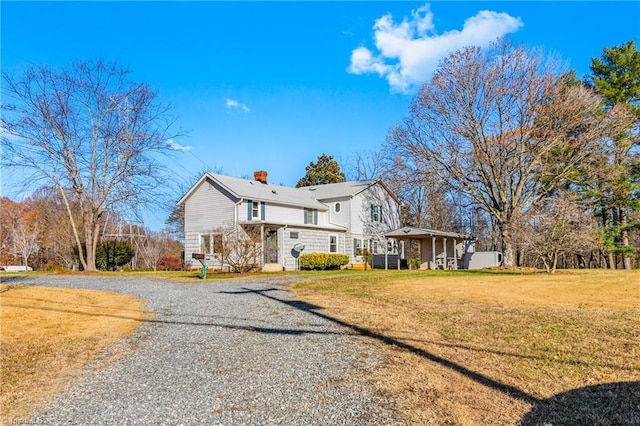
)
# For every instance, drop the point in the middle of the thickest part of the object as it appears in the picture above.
(310, 196)
(337, 190)
(254, 190)
(417, 233)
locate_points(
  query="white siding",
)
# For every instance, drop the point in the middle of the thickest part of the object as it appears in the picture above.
(209, 207)
(277, 213)
(361, 212)
(343, 217)
(314, 240)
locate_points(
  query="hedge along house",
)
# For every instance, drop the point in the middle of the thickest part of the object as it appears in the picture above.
(347, 218)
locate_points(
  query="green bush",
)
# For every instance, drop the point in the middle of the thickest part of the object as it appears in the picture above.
(323, 261)
(112, 254)
(415, 263)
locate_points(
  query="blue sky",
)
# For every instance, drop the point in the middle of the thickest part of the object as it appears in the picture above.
(273, 85)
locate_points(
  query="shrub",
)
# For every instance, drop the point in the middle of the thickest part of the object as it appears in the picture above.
(323, 261)
(113, 254)
(170, 262)
(415, 263)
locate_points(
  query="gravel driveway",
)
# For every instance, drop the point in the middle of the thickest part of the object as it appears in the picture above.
(234, 352)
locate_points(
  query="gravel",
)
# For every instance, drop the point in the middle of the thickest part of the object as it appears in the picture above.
(221, 353)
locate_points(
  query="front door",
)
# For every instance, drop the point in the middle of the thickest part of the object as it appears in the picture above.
(271, 246)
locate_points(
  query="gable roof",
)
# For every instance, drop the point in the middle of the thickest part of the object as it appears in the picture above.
(418, 233)
(345, 189)
(310, 196)
(254, 190)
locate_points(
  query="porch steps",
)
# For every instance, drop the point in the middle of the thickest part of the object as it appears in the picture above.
(360, 266)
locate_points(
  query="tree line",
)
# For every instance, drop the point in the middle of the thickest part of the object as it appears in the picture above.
(505, 144)
(36, 232)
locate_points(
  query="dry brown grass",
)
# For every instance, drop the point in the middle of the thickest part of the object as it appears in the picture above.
(48, 334)
(488, 348)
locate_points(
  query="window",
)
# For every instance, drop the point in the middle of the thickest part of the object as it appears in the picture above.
(333, 243)
(217, 243)
(211, 244)
(294, 235)
(310, 216)
(205, 244)
(375, 213)
(337, 207)
(255, 210)
(360, 246)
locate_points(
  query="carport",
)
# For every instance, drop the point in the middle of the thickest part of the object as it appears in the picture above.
(438, 249)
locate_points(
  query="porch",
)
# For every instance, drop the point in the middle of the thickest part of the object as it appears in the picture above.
(438, 249)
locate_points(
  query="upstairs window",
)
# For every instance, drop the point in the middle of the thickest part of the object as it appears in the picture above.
(310, 216)
(255, 210)
(375, 213)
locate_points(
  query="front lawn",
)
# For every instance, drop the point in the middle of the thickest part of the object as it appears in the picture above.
(467, 347)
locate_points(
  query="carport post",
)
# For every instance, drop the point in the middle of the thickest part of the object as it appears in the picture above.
(455, 254)
(386, 254)
(433, 252)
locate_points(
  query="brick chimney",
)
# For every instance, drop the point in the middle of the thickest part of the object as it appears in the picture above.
(260, 176)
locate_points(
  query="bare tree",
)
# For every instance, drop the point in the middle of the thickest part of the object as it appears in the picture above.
(25, 240)
(365, 166)
(560, 226)
(90, 132)
(484, 125)
(241, 248)
(154, 246)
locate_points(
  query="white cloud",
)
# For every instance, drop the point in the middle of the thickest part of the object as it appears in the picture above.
(171, 144)
(410, 51)
(233, 105)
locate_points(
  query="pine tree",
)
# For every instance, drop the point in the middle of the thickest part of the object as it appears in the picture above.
(325, 170)
(616, 189)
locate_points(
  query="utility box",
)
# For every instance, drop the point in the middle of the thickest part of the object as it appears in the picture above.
(482, 259)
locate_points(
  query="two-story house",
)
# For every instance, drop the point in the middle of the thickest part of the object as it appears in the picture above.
(348, 218)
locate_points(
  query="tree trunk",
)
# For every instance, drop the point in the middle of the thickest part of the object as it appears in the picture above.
(74, 228)
(624, 236)
(90, 242)
(508, 255)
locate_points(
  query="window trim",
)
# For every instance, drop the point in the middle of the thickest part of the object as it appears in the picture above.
(376, 213)
(337, 207)
(313, 213)
(335, 244)
(215, 240)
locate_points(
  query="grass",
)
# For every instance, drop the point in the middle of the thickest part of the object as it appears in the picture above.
(461, 347)
(468, 347)
(48, 334)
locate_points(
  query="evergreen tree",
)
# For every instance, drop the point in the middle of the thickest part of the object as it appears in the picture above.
(325, 170)
(616, 186)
